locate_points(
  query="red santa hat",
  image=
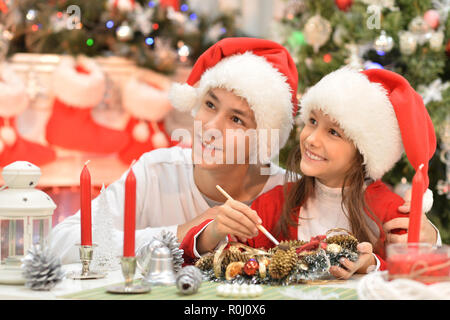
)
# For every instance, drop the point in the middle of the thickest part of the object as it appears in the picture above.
(260, 71)
(381, 113)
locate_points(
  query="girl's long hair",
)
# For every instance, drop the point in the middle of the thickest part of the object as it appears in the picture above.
(353, 200)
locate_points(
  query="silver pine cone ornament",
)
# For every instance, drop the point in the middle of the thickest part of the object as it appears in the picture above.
(41, 270)
(189, 280)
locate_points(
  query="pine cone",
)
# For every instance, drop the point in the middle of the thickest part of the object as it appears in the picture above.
(189, 280)
(205, 262)
(346, 241)
(41, 270)
(282, 263)
(171, 241)
(293, 243)
(233, 254)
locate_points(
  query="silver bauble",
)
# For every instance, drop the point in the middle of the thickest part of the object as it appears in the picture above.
(384, 42)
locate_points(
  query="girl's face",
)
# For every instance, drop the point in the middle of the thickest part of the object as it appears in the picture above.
(326, 153)
(222, 111)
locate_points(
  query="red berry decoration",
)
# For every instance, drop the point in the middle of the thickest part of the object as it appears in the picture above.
(250, 267)
(344, 5)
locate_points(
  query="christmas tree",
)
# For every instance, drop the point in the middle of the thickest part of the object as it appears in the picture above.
(158, 35)
(410, 37)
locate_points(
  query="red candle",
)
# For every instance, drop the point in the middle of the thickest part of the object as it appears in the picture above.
(415, 215)
(130, 215)
(85, 207)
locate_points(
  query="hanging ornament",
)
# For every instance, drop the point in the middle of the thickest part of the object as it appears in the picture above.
(432, 18)
(384, 42)
(408, 42)
(317, 31)
(124, 32)
(343, 5)
(420, 29)
(436, 40)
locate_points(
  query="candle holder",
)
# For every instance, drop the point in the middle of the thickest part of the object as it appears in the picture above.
(128, 270)
(418, 261)
(86, 253)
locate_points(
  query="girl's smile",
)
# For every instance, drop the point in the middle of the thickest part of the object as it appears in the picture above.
(326, 153)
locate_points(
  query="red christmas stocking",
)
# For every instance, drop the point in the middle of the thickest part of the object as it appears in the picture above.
(13, 147)
(13, 101)
(147, 105)
(78, 87)
(145, 136)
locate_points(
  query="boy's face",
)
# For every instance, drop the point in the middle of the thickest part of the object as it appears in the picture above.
(326, 153)
(222, 114)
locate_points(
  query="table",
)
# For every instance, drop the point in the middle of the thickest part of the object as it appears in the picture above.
(96, 290)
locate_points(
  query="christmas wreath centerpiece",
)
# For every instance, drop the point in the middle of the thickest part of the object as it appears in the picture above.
(293, 261)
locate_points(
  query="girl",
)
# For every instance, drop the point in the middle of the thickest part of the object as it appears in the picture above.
(356, 126)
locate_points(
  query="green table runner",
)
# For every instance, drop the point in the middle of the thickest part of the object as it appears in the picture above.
(207, 291)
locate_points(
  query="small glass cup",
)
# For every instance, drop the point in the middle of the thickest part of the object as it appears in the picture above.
(418, 261)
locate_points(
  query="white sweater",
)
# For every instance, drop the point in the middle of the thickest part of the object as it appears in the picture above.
(166, 196)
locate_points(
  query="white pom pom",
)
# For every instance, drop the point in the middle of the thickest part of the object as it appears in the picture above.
(427, 201)
(8, 135)
(141, 132)
(159, 140)
(183, 97)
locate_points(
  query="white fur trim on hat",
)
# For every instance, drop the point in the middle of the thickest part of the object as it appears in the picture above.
(427, 201)
(144, 101)
(363, 111)
(13, 94)
(78, 89)
(251, 77)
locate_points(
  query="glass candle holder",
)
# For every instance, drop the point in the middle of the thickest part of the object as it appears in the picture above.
(418, 261)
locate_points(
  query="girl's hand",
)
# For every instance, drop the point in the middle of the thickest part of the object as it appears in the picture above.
(365, 263)
(233, 218)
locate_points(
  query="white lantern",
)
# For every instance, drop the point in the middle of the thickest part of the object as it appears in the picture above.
(25, 217)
